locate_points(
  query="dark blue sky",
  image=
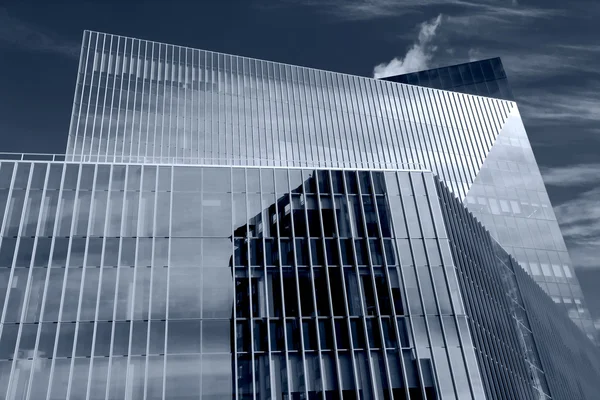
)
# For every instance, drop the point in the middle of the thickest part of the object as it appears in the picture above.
(550, 50)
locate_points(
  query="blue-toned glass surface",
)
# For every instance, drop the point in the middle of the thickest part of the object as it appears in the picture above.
(128, 280)
(484, 78)
(143, 101)
(510, 199)
(527, 348)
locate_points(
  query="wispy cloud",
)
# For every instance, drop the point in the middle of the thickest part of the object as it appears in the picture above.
(418, 56)
(372, 9)
(568, 106)
(580, 47)
(23, 35)
(580, 224)
(572, 175)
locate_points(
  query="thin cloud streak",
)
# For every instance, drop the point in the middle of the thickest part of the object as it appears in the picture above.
(354, 10)
(20, 34)
(572, 175)
(418, 56)
(580, 225)
(574, 107)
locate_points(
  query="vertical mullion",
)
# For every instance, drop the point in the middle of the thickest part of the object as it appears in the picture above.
(81, 285)
(178, 110)
(11, 280)
(341, 123)
(421, 297)
(405, 296)
(139, 156)
(164, 101)
(326, 269)
(124, 71)
(93, 132)
(131, 309)
(291, 119)
(400, 123)
(79, 85)
(105, 233)
(302, 121)
(450, 143)
(438, 145)
(234, 349)
(164, 377)
(99, 150)
(43, 303)
(67, 268)
(3, 225)
(55, 230)
(344, 291)
(459, 140)
(207, 99)
(326, 135)
(386, 148)
(169, 77)
(87, 114)
(266, 287)
(377, 126)
(125, 156)
(152, 267)
(117, 72)
(250, 297)
(388, 286)
(480, 152)
(200, 99)
(372, 272)
(311, 104)
(269, 117)
(116, 297)
(145, 155)
(298, 301)
(408, 124)
(311, 121)
(283, 308)
(292, 108)
(424, 129)
(314, 297)
(350, 125)
(185, 159)
(238, 99)
(367, 349)
(446, 146)
(361, 127)
(471, 145)
(394, 132)
(430, 205)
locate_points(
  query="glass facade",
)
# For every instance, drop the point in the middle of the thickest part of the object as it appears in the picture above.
(142, 101)
(223, 227)
(484, 78)
(132, 281)
(508, 195)
(527, 349)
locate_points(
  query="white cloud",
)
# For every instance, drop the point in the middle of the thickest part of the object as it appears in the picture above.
(17, 33)
(418, 56)
(475, 54)
(572, 175)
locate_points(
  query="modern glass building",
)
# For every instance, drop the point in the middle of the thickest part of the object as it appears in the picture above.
(484, 78)
(223, 227)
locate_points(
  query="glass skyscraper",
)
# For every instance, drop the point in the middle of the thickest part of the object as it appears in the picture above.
(224, 227)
